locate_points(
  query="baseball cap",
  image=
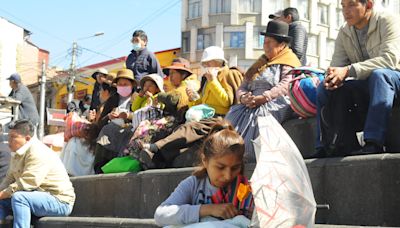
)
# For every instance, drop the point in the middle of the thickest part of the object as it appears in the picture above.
(15, 77)
(276, 14)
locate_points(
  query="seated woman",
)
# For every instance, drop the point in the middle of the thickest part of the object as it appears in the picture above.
(218, 88)
(265, 87)
(151, 85)
(181, 77)
(198, 197)
(106, 91)
(122, 99)
(111, 136)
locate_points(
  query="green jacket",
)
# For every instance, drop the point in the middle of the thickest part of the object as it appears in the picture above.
(383, 46)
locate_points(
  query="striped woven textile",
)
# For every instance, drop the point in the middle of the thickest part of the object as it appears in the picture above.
(303, 90)
(229, 194)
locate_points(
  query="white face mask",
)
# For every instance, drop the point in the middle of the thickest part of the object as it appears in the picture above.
(213, 71)
(136, 46)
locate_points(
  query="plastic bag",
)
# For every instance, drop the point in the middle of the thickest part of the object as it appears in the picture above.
(121, 164)
(199, 112)
(280, 183)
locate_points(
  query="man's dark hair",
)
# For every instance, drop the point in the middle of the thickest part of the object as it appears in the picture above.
(22, 127)
(292, 11)
(363, 1)
(141, 34)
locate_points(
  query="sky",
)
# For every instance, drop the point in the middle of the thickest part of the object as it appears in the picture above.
(55, 25)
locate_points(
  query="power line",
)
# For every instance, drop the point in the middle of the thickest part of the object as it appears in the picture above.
(163, 9)
(34, 26)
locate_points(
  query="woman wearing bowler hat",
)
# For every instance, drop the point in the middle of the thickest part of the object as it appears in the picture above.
(265, 86)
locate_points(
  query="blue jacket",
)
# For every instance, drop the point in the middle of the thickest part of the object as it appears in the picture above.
(143, 63)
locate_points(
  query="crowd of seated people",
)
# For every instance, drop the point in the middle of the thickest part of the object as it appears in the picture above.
(145, 118)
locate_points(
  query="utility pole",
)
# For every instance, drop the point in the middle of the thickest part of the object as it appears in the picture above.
(42, 100)
(71, 78)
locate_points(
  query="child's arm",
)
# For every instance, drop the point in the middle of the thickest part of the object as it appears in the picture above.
(177, 209)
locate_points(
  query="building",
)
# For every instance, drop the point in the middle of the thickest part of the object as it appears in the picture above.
(235, 25)
(18, 54)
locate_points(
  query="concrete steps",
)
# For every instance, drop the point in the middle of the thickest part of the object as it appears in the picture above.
(99, 222)
(94, 222)
(361, 191)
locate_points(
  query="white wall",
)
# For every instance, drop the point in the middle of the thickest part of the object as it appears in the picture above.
(11, 37)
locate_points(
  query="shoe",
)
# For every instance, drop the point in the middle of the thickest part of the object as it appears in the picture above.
(369, 148)
(320, 153)
(145, 157)
(372, 148)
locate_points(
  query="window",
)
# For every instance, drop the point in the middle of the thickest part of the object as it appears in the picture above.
(312, 45)
(330, 49)
(237, 39)
(339, 18)
(273, 5)
(203, 41)
(185, 44)
(323, 14)
(220, 6)
(258, 40)
(249, 6)
(303, 9)
(194, 8)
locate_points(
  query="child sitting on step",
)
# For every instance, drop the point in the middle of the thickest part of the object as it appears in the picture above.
(217, 190)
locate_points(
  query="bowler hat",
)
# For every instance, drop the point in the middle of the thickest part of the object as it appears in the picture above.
(277, 29)
(178, 64)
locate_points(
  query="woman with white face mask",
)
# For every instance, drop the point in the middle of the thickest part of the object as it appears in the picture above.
(219, 82)
(121, 100)
(114, 135)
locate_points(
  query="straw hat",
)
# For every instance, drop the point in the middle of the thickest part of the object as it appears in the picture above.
(125, 73)
(178, 64)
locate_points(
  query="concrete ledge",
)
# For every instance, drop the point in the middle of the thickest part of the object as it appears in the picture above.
(361, 190)
(93, 222)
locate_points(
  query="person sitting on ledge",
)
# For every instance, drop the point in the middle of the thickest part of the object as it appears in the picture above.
(36, 182)
(366, 65)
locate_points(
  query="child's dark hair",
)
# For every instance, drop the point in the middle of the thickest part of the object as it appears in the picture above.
(221, 140)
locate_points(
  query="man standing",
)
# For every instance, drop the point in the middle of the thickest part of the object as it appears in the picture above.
(141, 61)
(36, 182)
(296, 30)
(27, 108)
(367, 50)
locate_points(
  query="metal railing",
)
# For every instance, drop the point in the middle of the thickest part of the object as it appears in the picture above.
(9, 108)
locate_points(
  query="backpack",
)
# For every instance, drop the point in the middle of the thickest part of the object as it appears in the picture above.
(303, 90)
